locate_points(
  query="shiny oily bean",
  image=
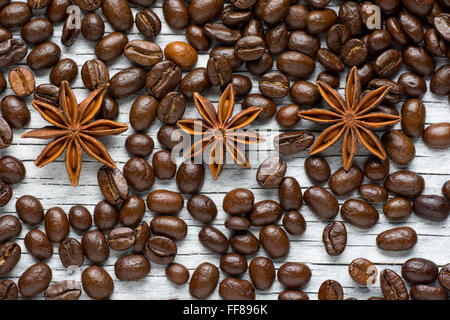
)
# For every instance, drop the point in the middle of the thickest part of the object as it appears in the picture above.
(305, 93)
(11, 52)
(10, 227)
(97, 283)
(169, 137)
(419, 60)
(71, 253)
(171, 108)
(12, 169)
(181, 53)
(407, 184)
(262, 273)
(274, 85)
(195, 81)
(44, 56)
(330, 290)
(177, 273)
(250, 48)
(329, 61)
(221, 33)
(269, 107)
(271, 172)
(213, 239)
(317, 168)
(95, 246)
(30, 210)
(397, 239)
(395, 92)
(292, 294)
(169, 226)
(376, 169)
(362, 271)
(233, 264)
(132, 267)
(15, 112)
(142, 235)
(143, 112)
(277, 38)
(165, 202)
(160, 250)
(35, 279)
(10, 254)
(446, 190)
(92, 27)
(437, 135)
(190, 177)
(260, 66)
(294, 274)
(197, 38)
(321, 202)
(295, 64)
(118, 13)
(350, 16)
(15, 14)
(238, 201)
(64, 70)
(392, 286)
(303, 42)
(388, 63)
(444, 276)
(113, 185)
(111, 46)
(275, 241)
(319, 21)
(293, 142)
(253, 27)
(132, 211)
(237, 223)
(236, 289)
(57, 10)
(329, 78)
(359, 213)
(413, 118)
(163, 165)
(94, 74)
(397, 208)
(5, 193)
(176, 14)
(427, 292)
(287, 116)
(143, 53)
(271, 11)
(148, 23)
(436, 46)
(38, 244)
(204, 280)
(121, 238)
(127, 82)
(5, 34)
(399, 147)
(202, 208)
(354, 52)
(163, 78)
(334, 238)
(344, 182)
(296, 16)
(140, 145)
(56, 224)
(105, 215)
(413, 84)
(290, 194)
(294, 223)
(63, 290)
(373, 193)
(337, 36)
(411, 27)
(265, 212)
(419, 270)
(139, 174)
(431, 207)
(37, 30)
(244, 242)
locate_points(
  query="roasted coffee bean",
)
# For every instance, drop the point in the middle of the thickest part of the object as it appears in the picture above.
(44, 56)
(244, 242)
(237, 223)
(11, 52)
(204, 280)
(10, 254)
(275, 241)
(442, 25)
(446, 189)
(95, 246)
(5, 193)
(260, 66)
(35, 279)
(97, 283)
(396, 31)
(169, 226)
(388, 63)
(287, 116)
(418, 60)
(436, 46)
(334, 238)
(30, 210)
(277, 38)
(319, 21)
(229, 53)
(395, 90)
(71, 252)
(238, 201)
(379, 40)
(399, 147)
(182, 53)
(143, 112)
(233, 264)
(121, 238)
(337, 37)
(139, 145)
(359, 213)
(376, 169)
(160, 250)
(330, 290)
(64, 70)
(419, 270)
(165, 202)
(163, 165)
(241, 85)
(250, 48)
(413, 118)
(127, 82)
(411, 27)
(294, 274)
(71, 28)
(169, 136)
(413, 84)
(93, 27)
(431, 207)
(373, 193)
(177, 273)
(171, 108)
(253, 27)
(344, 182)
(195, 81)
(57, 10)
(94, 74)
(294, 223)
(265, 212)
(296, 16)
(38, 244)
(426, 292)
(362, 271)
(196, 36)
(444, 276)
(113, 185)
(36, 31)
(163, 78)
(202, 11)
(213, 239)
(329, 79)
(397, 239)
(219, 71)
(256, 100)
(143, 53)
(236, 289)
(8, 290)
(89, 5)
(293, 142)
(271, 11)
(392, 286)
(109, 109)
(295, 64)
(148, 23)
(132, 267)
(329, 61)
(132, 211)
(365, 73)
(271, 172)
(290, 194)
(10, 227)
(63, 290)
(262, 273)
(354, 52)
(106, 216)
(139, 174)
(243, 4)
(176, 14)
(15, 112)
(111, 46)
(15, 14)
(405, 183)
(274, 85)
(321, 202)
(37, 5)
(5, 34)
(118, 13)
(12, 169)
(437, 135)
(202, 208)
(3, 83)
(317, 168)
(142, 236)
(56, 224)
(305, 93)
(221, 33)
(190, 177)
(397, 208)
(80, 218)
(292, 294)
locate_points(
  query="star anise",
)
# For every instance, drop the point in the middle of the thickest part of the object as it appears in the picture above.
(350, 119)
(219, 133)
(72, 130)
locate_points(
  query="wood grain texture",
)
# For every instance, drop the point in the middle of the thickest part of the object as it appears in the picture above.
(51, 185)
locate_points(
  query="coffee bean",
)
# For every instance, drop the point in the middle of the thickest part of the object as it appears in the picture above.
(287, 116)
(165, 202)
(57, 10)
(277, 38)
(204, 280)
(181, 53)
(411, 27)
(328, 78)
(349, 16)
(434, 45)
(354, 52)
(142, 236)
(35, 279)
(397, 239)
(37, 30)
(118, 13)
(295, 64)
(71, 28)
(275, 241)
(177, 273)
(56, 224)
(237, 223)
(319, 21)
(63, 290)
(262, 273)
(329, 61)
(376, 169)
(15, 14)
(121, 238)
(244, 242)
(139, 174)
(143, 112)
(296, 16)
(221, 33)
(413, 118)
(292, 294)
(213, 239)
(169, 137)
(442, 25)
(260, 66)
(294, 274)
(195, 81)
(321, 202)
(196, 36)
(11, 52)
(271, 172)
(105, 215)
(202, 208)
(305, 93)
(392, 286)
(242, 85)
(413, 84)
(256, 100)
(89, 5)
(127, 82)
(334, 238)
(64, 70)
(93, 27)
(437, 135)
(202, 11)
(373, 193)
(111, 46)
(219, 71)
(169, 226)
(431, 207)
(38, 244)
(30, 210)
(317, 168)
(274, 85)
(253, 27)
(132, 211)
(359, 213)
(397, 208)
(163, 165)
(139, 145)
(444, 276)
(236, 289)
(10, 254)
(293, 142)
(426, 292)
(190, 177)
(362, 271)
(419, 270)
(399, 147)
(80, 218)
(143, 53)
(171, 108)
(10, 227)
(405, 183)
(418, 60)
(160, 250)
(95, 246)
(379, 40)
(148, 23)
(233, 264)
(8, 290)
(97, 283)
(132, 267)
(294, 223)
(388, 63)
(337, 37)
(250, 48)
(330, 290)
(238, 201)
(265, 212)
(5, 193)
(271, 11)
(113, 185)
(15, 112)
(176, 14)
(163, 78)
(44, 56)
(344, 182)
(94, 74)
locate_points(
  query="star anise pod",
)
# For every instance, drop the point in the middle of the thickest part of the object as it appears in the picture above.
(219, 132)
(350, 119)
(71, 130)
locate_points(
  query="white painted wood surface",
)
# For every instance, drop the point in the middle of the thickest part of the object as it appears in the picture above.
(51, 185)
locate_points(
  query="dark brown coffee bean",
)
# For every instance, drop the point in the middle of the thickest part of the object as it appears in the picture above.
(139, 145)
(237, 223)
(442, 25)
(373, 193)
(163, 78)
(351, 18)
(139, 174)
(143, 112)
(265, 212)
(277, 38)
(440, 84)
(221, 33)
(163, 165)
(15, 14)
(413, 84)
(319, 21)
(8, 290)
(292, 294)
(95, 246)
(354, 52)
(113, 185)
(359, 213)
(10, 227)
(121, 238)
(204, 280)
(10, 254)
(80, 218)
(64, 70)
(250, 48)
(328, 78)
(405, 183)
(334, 238)
(148, 23)
(287, 116)
(195, 81)
(171, 108)
(132, 211)
(177, 273)
(321, 202)
(11, 52)
(169, 226)
(35, 279)
(418, 60)
(236, 289)
(253, 27)
(169, 136)
(63, 290)
(89, 5)
(97, 283)
(431, 207)
(293, 142)
(437, 135)
(190, 177)
(160, 250)
(12, 170)
(305, 93)
(44, 56)
(176, 14)
(388, 63)
(317, 168)
(294, 223)
(15, 112)
(397, 239)
(30, 210)
(426, 292)
(202, 208)
(38, 244)
(219, 71)
(296, 16)
(105, 215)
(118, 13)
(271, 172)
(244, 242)
(295, 64)
(337, 37)
(274, 85)
(71, 252)
(37, 30)
(165, 202)
(362, 271)
(260, 66)
(5, 193)
(436, 46)
(398, 147)
(392, 286)
(196, 36)
(182, 53)
(143, 53)
(133, 267)
(94, 74)
(56, 224)
(127, 82)
(413, 118)
(242, 85)
(111, 46)
(202, 11)
(411, 27)
(142, 236)
(238, 201)
(3, 83)
(256, 100)
(329, 61)
(275, 241)
(294, 274)
(344, 182)
(444, 276)
(93, 27)
(233, 264)
(71, 28)
(330, 290)
(57, 10)
(376, 169)
(419, 270)
(213, 239)
(397, 208)
(379, 40)
(262, 273)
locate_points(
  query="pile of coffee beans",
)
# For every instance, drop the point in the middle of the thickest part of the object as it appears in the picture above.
(278, 43)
